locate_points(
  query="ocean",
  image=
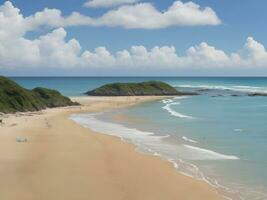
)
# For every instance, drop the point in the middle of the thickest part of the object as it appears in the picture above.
(218, 136)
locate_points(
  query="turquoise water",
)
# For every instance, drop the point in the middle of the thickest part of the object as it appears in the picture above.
(76, 86)
(219, 136)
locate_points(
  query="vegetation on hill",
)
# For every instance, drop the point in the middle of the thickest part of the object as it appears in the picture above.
(14, 98)
(153, 88)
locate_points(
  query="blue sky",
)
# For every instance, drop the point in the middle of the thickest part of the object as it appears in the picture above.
(239, 20)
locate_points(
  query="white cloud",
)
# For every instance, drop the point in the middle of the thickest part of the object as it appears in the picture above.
(205, 54)
(146, 16)
(11, 21)
(141, 16)
(47, 50)
(107, 3)
(54, 51)
(253, 52)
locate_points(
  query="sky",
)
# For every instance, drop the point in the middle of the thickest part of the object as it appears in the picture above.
(133, 38)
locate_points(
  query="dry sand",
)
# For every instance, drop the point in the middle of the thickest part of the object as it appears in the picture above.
(63, 161)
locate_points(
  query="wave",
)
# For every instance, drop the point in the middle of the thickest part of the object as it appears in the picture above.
(148, 141)
(206, 154)
(236, 88)
(210, 87)
(189, 140)
(90, 121)
(174, 113)
(169, 103)
(165, 101)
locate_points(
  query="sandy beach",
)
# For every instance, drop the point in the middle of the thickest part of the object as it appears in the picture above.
(61, 160)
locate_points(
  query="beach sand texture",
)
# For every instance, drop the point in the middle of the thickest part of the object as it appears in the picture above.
(47, 156)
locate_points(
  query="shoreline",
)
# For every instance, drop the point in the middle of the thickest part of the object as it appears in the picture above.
(62, 158)
(223, 191)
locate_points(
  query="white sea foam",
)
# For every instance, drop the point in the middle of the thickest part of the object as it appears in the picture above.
(189, 140)
(157, 154)
(165, 101)
(209, 87)
(90, 121)
(237, 88)
(148, 141)
(175, 113)
(238, 130)
(206, 154)
(176, 166)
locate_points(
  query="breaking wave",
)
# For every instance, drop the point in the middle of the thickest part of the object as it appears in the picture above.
(235, 88)
(174, 113)
(206, 154)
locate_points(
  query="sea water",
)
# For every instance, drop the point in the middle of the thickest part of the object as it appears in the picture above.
(76, 86)
(219, 136)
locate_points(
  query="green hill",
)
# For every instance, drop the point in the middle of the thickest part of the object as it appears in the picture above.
(149, 88)
(14, 98)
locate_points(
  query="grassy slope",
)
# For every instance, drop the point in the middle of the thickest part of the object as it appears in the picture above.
(135, 89)
(14, 98)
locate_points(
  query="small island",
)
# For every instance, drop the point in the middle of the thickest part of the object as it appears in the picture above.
(148, 88)
(14, 98)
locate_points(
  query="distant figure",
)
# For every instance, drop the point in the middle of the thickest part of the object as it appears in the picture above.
(1, 121)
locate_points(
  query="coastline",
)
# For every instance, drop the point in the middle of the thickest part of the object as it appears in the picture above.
(63, 160)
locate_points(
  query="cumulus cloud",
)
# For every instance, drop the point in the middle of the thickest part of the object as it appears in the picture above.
(11, 21)
(14, 24)
(54, 51)
(253, 53)
(139, 16)
(204, 54)
(107, 3)
(146, 16)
